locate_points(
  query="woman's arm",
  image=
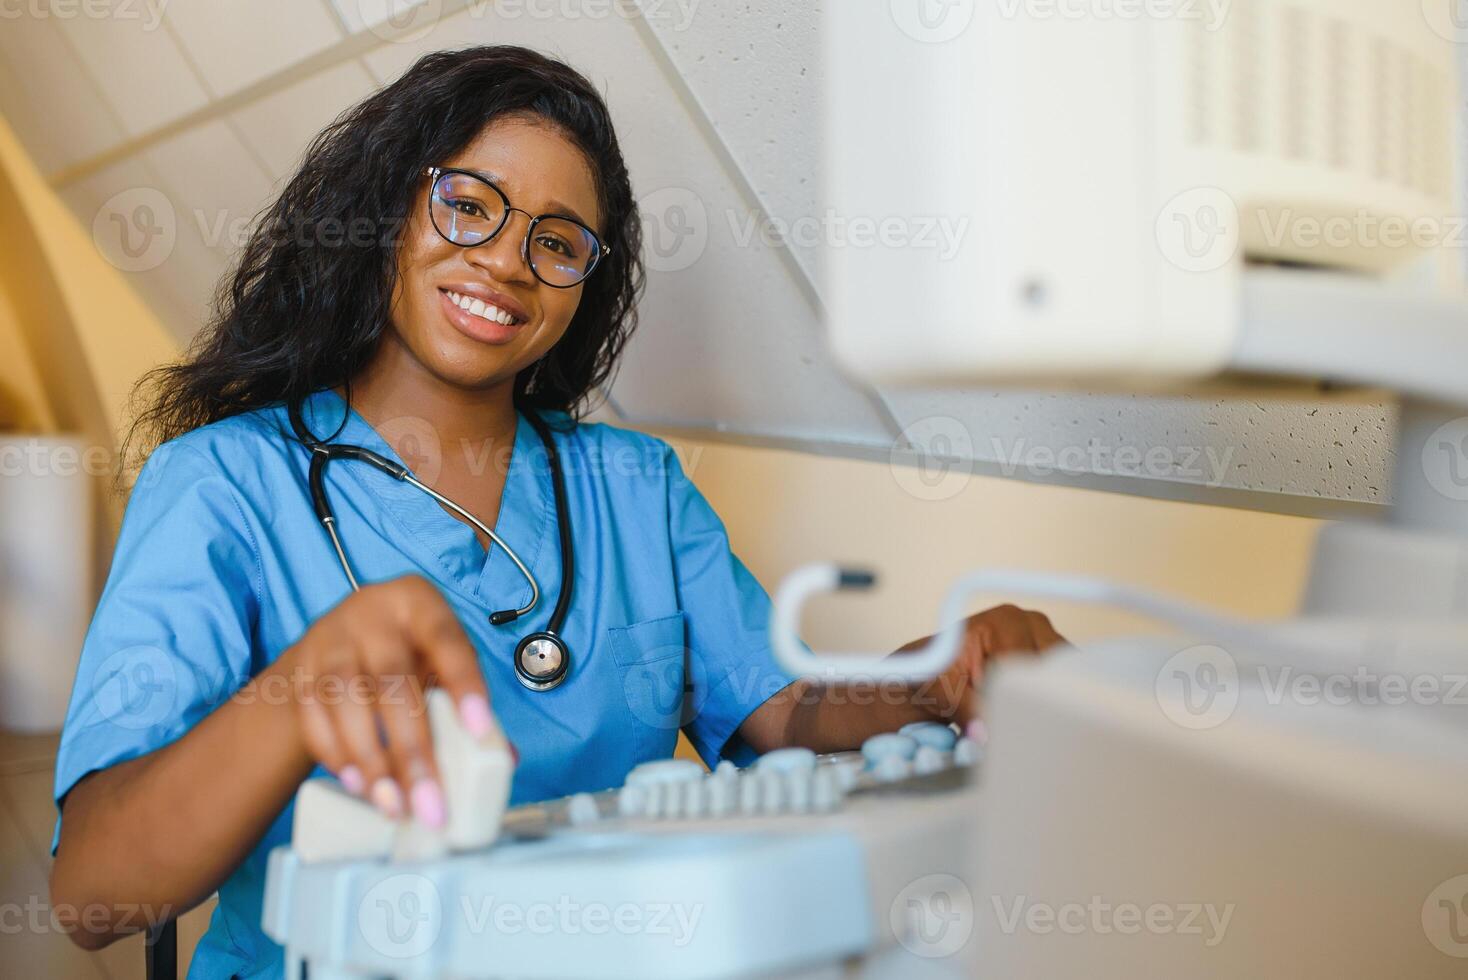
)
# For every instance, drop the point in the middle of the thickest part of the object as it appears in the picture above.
(147, 839)
(144, 840)
(839, 717)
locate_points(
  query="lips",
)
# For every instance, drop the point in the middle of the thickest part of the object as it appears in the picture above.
(479, 320)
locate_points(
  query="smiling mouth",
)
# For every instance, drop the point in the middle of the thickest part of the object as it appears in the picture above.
(483, 310)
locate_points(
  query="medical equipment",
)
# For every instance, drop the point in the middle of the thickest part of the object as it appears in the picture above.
(542, 659)
(791, 862)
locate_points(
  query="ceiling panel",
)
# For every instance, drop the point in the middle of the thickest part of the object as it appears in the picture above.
(48, 97)
(755, 68)
(123, 206)
(278, 127)
(142, 72)
(215, 184)
(386, 16)
(729, 339)
(238, 42)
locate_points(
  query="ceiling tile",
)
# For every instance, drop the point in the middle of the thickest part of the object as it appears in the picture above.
(756, 70)
(176, 274)
(52, 103)
(386, 16)
(215, 184)
(138, 65)
(280, 126)
(238, 42)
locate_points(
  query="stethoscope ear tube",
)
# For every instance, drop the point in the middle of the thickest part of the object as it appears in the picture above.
(542, 660)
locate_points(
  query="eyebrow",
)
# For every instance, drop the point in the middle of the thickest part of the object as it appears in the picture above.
(556, 207)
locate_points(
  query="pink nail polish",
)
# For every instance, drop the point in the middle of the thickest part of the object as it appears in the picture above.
(352, 781)
(428, 804)
(387, 797)
(474, 710)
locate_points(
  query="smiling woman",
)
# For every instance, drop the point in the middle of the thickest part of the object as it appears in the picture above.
(227, 662)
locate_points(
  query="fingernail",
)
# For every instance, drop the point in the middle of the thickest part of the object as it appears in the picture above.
(474, 710)
(352, 781)
(387, 797)
(428, 803)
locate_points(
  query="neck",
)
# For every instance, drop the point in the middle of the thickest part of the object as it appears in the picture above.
(394, 385)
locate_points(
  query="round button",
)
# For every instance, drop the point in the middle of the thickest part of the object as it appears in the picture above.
(939, 736)
(792, 759)
(880, 747)
(665, 771)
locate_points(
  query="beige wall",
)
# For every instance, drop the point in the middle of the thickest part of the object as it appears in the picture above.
(783, 509)
(74, 337)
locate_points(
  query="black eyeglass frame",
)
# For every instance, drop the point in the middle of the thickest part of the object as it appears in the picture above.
(600, 252)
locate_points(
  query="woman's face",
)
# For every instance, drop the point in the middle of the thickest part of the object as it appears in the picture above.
(539, 171)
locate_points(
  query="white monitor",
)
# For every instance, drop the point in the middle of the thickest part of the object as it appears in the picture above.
(1120, 170)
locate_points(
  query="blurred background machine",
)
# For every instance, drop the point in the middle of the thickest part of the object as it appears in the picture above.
(1163, 200)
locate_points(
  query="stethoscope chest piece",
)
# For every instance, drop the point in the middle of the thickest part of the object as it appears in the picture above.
(542, 661)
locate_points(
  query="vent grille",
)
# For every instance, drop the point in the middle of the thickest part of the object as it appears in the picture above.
(1287, 81)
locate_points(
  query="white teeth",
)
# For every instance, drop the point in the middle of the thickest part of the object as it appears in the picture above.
(479, 308)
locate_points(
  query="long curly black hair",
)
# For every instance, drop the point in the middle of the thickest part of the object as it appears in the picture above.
(310, 296)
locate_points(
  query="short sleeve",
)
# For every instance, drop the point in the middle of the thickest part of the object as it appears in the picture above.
(732, 668)
(171, 637)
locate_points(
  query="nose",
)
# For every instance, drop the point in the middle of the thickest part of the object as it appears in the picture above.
(503, 256)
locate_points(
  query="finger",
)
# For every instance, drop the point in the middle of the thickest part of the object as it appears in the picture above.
(1044, 633)
(1010, 630)
(344, 692)
(326, 748)
(439, 638)
(400, 708)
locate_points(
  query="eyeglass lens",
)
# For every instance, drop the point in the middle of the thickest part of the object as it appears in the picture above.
(469, 211)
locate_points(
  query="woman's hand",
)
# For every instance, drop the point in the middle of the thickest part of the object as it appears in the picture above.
(996, 632)
(360, 676)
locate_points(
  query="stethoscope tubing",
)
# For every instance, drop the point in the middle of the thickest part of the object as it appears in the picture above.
(323, 452)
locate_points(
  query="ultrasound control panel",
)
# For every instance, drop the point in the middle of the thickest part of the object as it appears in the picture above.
(795, 862)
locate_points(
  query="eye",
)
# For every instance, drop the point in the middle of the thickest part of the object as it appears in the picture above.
(466, 206)
(554, 243)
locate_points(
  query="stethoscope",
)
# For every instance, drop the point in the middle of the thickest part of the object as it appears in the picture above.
(542, 660)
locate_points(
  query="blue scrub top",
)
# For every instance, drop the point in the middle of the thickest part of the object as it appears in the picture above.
(221, 566)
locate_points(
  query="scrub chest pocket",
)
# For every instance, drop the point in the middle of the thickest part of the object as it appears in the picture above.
(652, 658)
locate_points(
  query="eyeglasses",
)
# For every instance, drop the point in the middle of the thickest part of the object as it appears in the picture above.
(468, 210)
